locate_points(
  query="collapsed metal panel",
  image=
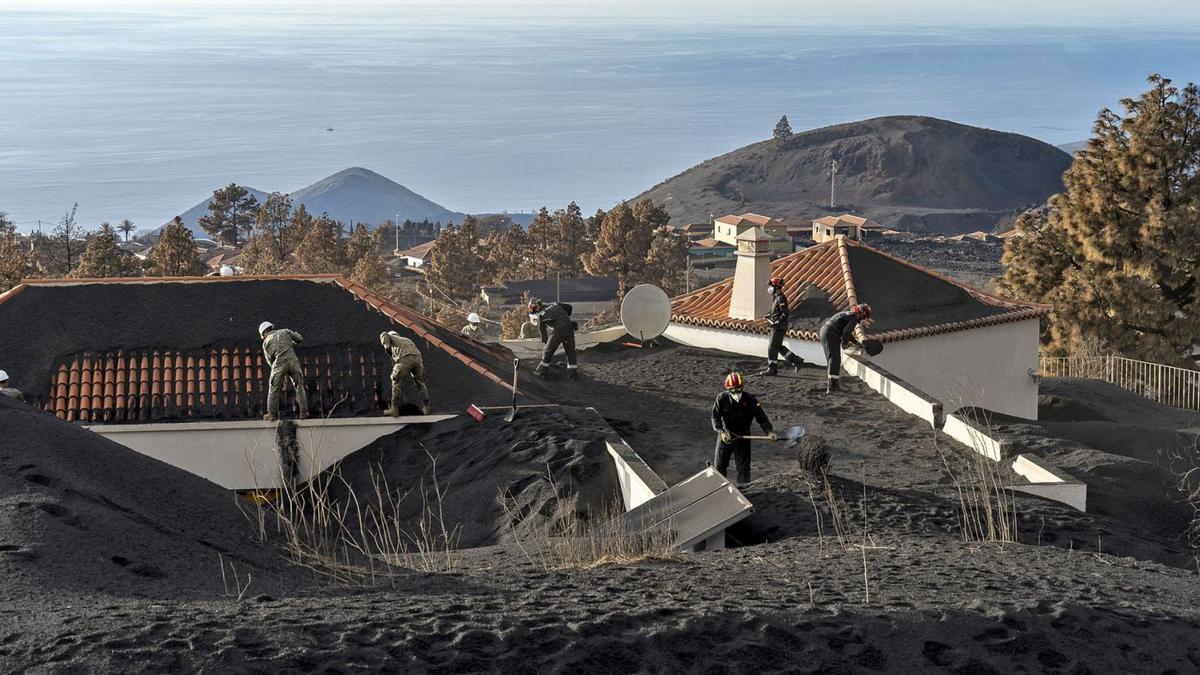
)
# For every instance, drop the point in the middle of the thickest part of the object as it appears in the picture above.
(691, 511)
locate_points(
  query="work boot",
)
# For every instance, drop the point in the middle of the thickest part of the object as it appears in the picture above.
(795, 361)
(541, 370)
(771, 370)
(572, 374)
(425, 409)
(270, 417)
(832, 387)
(394, 411)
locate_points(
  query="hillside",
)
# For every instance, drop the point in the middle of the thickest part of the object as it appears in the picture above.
(351, 195)
(909, 172)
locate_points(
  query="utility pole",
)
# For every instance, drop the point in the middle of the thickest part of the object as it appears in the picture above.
(833, 167)
(396, 226)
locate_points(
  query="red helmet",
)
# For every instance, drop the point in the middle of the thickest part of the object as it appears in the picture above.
(776, 283)
(535, 305)
(863, 310)
(733, 381)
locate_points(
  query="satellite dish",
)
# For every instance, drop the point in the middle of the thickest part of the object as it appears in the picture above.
(226, 271)
(645, 311)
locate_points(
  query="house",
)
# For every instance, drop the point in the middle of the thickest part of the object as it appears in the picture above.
(586, 295)
(961, 345)
(693, 231)
(727, 229)
(711, 253)
(846, 225)
(417, 257)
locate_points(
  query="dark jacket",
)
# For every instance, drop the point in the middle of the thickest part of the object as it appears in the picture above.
(841, 325)
(778, 318)
(556, 318)
(736, 416)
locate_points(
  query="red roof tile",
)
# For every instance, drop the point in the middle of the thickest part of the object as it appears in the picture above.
(829, 267)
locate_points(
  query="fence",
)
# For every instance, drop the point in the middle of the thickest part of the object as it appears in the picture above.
(1169, 385)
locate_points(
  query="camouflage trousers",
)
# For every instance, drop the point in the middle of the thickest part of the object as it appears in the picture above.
(406, 366)
(286, 369)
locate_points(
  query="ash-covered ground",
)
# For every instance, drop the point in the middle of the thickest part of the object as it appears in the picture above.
(1112, 590)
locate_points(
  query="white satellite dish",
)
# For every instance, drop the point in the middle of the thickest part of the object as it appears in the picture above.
(645, 311)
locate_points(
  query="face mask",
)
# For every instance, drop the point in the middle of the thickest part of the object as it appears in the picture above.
(737, 395)
(771, 290)
(533, 319)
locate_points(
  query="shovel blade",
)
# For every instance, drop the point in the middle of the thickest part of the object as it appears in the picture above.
(793, 435)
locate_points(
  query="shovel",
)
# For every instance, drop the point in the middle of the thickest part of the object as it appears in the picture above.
(512, 414)
(791, 436)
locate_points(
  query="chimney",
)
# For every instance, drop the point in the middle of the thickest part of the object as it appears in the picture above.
(750, 297)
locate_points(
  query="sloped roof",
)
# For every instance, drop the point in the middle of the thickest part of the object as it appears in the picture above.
(419, 251)
(908, 301)
(849, 219)
(79, 342)
(748, 219)
(574, 289)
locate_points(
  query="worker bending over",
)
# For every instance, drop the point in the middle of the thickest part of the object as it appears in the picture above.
(279, 348)
(556, 328)
(406, 361)
(838, 332)
(732, 413)
(778, 321)
(8, 391)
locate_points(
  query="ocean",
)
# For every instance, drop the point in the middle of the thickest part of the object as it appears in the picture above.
(141, 114)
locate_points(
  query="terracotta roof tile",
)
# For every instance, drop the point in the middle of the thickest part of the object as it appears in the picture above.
(829, 267)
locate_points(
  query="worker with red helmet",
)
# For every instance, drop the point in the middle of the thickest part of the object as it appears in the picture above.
(778, 321)
(838, 332)
(732, 413)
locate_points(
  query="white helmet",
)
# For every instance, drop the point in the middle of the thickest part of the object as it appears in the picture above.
(226, 271)
(3, 376)
(264, 327)
(473, 317)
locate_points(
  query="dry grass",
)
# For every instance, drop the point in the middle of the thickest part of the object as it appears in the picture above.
(564, 541)
(360, 541)
(987, 511)
(1184, 463)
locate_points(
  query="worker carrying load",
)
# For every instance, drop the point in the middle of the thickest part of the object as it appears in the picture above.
(838, 332)
(778, 321)
(406, 361)
(556, 328)
(279, 348)
(8, 391)
(474, 326)
(732, 413)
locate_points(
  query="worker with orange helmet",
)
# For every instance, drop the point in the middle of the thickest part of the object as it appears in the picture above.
(778, 321)
(733, 412)
(838, 332)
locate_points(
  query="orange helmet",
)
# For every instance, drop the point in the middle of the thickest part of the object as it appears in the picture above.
(733, 381)
(863, 310)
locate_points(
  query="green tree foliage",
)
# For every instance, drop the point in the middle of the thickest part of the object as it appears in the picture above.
(573, 243)
(104, 257)
(175, 254)
(666, 261)
(541, 246)
(362, 243)
(783, 129)
(457, 264)
(1118, 253)
(231, 213)
(126, 227)
(322, 251)
(622, 247)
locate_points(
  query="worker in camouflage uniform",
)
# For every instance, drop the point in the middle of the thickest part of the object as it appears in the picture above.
(406, 361)
(279, 348)
(8, 391)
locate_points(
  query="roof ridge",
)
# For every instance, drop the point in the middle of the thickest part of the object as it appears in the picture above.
(847, 274)
(69, 281)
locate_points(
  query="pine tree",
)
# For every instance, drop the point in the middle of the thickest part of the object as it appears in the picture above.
(59, 253)
(371, 272)
(7, 226)
(322, 250)
(783, 129)
(232, 212)
(15, 261)
(363, 243)
(175, 254)
(274, 222)
(104, 257)
(457, 267)
(541, 250)
(1117, 254)
(505, 252)
(616, 253)
(666, 261)
(127, 228)
(573, 242)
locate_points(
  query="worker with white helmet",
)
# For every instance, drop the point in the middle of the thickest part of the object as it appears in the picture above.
(406, 362)
(6, 390)
(474, 326)
(279, 348)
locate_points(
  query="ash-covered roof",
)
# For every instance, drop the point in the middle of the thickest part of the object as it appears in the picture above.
(188, 347)
(748, 219)
(908, 301)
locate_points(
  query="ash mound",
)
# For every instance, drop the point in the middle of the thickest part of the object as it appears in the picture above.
(906, 171)
(548, 465)
(82, 514)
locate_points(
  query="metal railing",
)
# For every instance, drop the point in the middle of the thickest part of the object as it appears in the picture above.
(1169, 385)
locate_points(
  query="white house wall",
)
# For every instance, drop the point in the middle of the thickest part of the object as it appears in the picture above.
(738, 342)
(985, 367)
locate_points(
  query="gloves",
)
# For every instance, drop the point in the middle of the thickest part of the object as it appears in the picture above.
(726, 437)
(773, 436)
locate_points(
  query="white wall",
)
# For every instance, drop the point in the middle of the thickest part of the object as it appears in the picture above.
(986, 367)
(738, 342)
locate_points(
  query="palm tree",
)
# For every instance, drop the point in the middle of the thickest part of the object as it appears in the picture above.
(127, 227)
